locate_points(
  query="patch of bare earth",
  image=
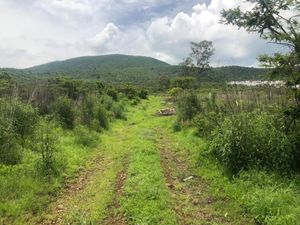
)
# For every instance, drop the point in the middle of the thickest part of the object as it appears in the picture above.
(192, 203)
(115, 216)
(57, 209)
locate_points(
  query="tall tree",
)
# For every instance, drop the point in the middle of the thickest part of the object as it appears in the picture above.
(201, 54)
(279, 22)
(187, 67)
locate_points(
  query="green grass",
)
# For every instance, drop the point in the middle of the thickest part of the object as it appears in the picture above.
(24, 192)
(263, 197)
(253, 197)
(146, 199)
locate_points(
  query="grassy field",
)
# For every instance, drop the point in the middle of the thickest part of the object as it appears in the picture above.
(142, 172)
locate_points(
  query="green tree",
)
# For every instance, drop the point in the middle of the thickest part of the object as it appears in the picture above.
(187, 67)
(6, 84)
(201, 54)
(164, 83)
(184, 82)
(278, 21)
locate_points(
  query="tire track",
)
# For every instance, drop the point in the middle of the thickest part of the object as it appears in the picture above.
(116, 217)
(192, 204)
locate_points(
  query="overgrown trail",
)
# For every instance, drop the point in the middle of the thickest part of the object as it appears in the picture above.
(140, 175)
(193, 205)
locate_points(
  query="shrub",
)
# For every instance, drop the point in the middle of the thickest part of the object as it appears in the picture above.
(46, 144)
(184, 82)
(253, 141)
(107, 102)
(188, 106)
(175, 93)
(177, 126)
(118, 111)
(205, 124)
(87, 111)
(17, 121)
(112, 93)
(25, 119)
(129, 91)
(143, 94)
(10, 151)
(85, 137)
(102, 117)
(64, 110)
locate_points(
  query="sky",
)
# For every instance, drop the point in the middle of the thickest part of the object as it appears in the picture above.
(39, 31)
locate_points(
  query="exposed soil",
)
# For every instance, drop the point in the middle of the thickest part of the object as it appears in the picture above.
(116, 217)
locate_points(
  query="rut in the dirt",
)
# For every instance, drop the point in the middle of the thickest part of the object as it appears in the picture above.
(58, 208)
(192, 204)
(115, 216)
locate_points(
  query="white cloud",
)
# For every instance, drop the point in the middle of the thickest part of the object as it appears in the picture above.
(38, 31)
(233, 46)
(109, 34)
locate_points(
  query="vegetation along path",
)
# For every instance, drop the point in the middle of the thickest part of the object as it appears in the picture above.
(140, 175)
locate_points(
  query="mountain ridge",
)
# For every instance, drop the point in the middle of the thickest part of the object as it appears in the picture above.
(118, 68)
(102, 62)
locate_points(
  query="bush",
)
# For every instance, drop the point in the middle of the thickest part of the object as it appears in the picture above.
(85, 137)
(25, 119)
(184, 82)
(107, 102)
(87, 115)
(10, 151)
(46, 143)
(102, 117)
(175, 93)
(143, 94)
(64, 110)
(118, 111)
(177, 126)
(253, 141)
(17, 121)
(188, 106)
(129, 91)
(112, 93)
(205, 124)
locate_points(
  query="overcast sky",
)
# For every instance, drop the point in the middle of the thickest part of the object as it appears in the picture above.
(39, 31)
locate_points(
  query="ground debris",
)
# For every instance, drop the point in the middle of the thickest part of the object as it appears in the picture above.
(188, 178)
(166, 112)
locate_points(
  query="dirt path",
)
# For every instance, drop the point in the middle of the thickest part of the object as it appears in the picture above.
(116, 217)
(192, 203)
(161, 187)
(57, 210)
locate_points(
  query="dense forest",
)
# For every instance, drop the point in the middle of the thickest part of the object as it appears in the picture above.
(119, 139)
(136, 70)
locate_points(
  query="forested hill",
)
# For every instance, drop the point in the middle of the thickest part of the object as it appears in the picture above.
(97, 63)
(234, 73)
(128, 69)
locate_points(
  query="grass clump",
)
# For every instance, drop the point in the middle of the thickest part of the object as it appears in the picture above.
(86, 137)
(253, 141)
